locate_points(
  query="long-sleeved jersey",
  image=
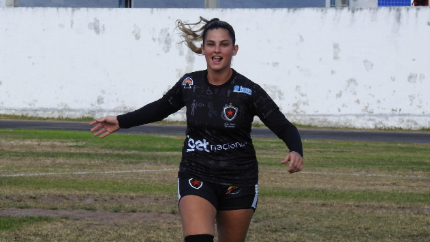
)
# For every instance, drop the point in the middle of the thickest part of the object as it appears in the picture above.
(218, 146)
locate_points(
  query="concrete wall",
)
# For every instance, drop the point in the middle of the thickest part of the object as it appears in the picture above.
(363, 68)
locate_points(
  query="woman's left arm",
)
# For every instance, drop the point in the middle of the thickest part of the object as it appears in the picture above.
(269, 113)
(286, 131)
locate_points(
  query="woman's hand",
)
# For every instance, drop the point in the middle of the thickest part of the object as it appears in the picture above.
(106, 126)
(296, 162)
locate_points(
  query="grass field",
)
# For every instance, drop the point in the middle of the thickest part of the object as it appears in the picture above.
(70, 186)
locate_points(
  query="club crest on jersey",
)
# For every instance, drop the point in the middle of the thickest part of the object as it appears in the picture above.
(233, 190)
(194, 183)
(229, 112)
(241, 89)
(188, 82)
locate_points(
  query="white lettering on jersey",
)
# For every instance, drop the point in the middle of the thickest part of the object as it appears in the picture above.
(205, 146)
(199, 145)
(241, 89)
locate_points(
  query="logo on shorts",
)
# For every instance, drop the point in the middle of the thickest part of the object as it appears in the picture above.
(188, 82)
(229, 112)
(233, 190)
(196, 184)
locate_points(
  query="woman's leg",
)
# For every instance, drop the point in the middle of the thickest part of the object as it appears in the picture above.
(233, 224)
(197, 215)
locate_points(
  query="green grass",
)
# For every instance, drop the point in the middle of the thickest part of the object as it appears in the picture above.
(83, 185)
(25, 117)
(126, 142)
(333, 199)
(7, 223)
(348, 196)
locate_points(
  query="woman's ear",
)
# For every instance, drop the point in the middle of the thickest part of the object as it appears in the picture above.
(203, 49)
(235, 50)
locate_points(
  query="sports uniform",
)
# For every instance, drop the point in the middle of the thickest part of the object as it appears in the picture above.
(218, 146)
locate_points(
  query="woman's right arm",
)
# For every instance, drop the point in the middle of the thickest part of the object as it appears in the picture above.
(170, 103)
(152, 112)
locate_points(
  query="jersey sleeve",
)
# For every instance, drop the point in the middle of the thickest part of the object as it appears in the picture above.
(158, 110)
(269, 113)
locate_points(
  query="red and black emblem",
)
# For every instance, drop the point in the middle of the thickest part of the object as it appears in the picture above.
(196, 184)
(229, 112)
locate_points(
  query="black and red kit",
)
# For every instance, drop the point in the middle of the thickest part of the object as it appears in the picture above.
(218, 146)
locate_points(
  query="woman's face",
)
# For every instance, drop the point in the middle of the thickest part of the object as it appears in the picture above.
(218, 49)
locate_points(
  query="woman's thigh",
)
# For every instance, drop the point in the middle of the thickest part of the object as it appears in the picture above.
(233, 225)
(197, 215)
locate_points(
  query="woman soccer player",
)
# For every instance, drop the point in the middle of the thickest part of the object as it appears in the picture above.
(218, 172)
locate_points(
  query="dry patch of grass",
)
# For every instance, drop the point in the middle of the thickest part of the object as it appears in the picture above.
(66, 229)
(292, 220)
(96, 216)
(345, 180)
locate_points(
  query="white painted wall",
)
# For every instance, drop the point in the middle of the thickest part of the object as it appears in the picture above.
(362, 68)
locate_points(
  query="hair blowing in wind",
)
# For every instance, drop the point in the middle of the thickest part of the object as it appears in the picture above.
(193, 33)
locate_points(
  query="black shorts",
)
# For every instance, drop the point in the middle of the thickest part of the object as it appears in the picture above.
(222, 197)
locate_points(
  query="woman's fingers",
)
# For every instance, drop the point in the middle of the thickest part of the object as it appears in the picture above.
(105, 134)
(99, 126)
(105, 126)
(295, 162)
(100, 132)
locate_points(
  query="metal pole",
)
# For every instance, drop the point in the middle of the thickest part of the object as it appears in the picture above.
(125, 3)
(129, 3)
(211, 3)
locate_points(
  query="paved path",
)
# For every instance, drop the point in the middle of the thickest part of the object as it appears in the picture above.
(392, 136)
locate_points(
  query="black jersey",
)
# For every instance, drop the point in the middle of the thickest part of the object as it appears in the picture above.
(218, 146)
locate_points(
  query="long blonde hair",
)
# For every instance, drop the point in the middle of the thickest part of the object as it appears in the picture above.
(191, 36)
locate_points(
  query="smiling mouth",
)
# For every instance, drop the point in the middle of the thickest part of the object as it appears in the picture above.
(217, 58)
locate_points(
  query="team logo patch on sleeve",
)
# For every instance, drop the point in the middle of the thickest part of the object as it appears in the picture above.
(229, 112)
(241, 89)
(188, 82)
(194, 183)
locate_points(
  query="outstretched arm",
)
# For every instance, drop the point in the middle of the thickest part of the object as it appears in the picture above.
(105, 126)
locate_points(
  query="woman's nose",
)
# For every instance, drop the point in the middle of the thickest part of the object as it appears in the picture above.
(217, 48)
